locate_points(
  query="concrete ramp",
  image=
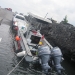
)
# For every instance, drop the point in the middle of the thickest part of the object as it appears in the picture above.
(5, 16)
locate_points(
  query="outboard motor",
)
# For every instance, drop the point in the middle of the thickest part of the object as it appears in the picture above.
(57, 58)
(44, 55)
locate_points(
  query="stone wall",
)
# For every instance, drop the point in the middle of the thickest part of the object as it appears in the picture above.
(59, 34)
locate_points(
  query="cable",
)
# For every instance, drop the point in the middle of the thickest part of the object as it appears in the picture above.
(16, 66)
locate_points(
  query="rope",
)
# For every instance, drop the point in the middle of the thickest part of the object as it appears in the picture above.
(15, 66)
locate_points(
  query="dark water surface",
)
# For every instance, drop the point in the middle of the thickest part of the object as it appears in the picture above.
(8, 59)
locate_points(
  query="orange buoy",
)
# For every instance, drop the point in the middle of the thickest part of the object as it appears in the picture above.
(17, 38)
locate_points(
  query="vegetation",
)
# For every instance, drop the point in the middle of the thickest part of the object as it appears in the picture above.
(65, 19)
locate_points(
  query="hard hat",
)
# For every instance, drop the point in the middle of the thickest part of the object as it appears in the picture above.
(40, 43)
(17, 38)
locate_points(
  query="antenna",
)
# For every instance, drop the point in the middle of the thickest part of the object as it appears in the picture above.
(41, 24)
(45, 16)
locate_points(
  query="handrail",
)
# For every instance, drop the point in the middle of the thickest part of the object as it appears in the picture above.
(48, 43)
(25, 44)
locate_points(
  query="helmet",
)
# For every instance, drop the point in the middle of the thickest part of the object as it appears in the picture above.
(40, 43)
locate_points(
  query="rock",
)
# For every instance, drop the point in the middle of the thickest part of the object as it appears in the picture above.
(58, 34)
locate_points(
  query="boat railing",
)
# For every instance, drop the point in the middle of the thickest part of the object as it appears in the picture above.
(25, 44)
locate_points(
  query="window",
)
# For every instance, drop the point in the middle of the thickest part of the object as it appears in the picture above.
(35, 39)
(19, 17)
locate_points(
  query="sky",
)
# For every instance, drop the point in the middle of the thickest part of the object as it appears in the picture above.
(56, 9)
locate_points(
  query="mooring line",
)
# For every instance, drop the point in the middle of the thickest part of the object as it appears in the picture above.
(16, 66)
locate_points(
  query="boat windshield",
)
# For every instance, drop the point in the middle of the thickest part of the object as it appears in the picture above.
(35, 39)
(19, 17)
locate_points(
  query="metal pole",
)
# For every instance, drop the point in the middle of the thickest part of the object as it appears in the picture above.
(45, 16)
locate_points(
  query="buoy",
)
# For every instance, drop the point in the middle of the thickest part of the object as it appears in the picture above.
(16, 28)
(40, 43)
(20, 54)
(17, 38)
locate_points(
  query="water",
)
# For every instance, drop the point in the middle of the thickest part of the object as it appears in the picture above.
(69, 67)
(6, 53)
(8, 59)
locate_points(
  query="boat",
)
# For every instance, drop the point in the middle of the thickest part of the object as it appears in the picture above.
(33, 46)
